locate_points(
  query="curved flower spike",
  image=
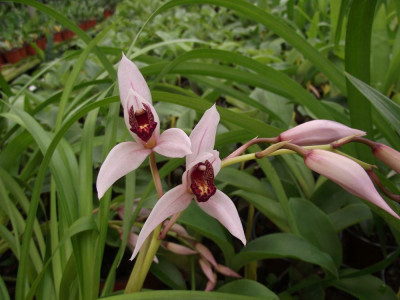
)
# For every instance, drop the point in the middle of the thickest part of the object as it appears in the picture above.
(348, 174)
(318, 132)
(143, 123)
(388, 155)
(197, 183)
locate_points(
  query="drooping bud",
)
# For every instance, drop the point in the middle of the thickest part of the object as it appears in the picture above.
(206, 253)
(207, 270)
(348, 174)
(211, 284)
(318, 132)
(142, 122)
(202, 181)
(387, 155)
(227, 271)
(179, 230)
(179, 249)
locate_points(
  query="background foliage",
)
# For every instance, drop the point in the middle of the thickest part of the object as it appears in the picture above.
(269, 65)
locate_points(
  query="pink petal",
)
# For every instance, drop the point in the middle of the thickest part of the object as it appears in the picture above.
(122, 159)
(203, 135)
(173, 142)
(206, 253)
(221, 207)
(348, 174)
(206, 268)
(174, 201)
(318, 132)
(130, 78)
(388, 155)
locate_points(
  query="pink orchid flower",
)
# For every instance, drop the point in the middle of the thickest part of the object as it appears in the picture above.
(197, 183)
(318, 132)
(143, 123)
(348, 174)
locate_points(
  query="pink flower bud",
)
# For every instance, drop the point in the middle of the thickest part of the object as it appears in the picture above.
(211, 284)
(318, 132)
(203, 250)
(387, 155)
(348, 174)
(227, 271)
(207, 270)
(179, 249)
(179, 229)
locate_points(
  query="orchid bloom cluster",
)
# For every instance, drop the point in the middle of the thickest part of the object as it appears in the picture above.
(203, 164)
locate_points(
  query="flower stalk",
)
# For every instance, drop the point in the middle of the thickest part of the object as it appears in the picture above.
(152, 243)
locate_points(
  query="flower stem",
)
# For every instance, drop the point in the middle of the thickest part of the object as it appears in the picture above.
(150, 247)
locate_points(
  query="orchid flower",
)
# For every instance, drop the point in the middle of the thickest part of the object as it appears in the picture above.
(348, 174)
(143, 123)
(197, 183)
(318, 132)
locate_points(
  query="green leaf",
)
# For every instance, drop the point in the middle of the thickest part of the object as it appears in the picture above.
(357, 63)
(380, 48)
(365, 287)
(273, 23)
(249, 288)
(284, 245)
(267, 206)
(3, 290)
(168, 273)
(316, 228)
(350, 215)
(244, 181)
(168, 295)
(267, 77)
(385, 106)
(201, 105)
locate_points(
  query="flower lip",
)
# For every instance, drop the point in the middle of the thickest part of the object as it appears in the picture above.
(202, 181)
(142, 122)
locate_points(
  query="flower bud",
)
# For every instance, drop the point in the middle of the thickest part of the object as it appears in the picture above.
(178, 229)
(348, 174)
(207, 270)
(179, 249)
(211, 284)
(227, 271)
(387, 155)
(318, 132)
(203, 250)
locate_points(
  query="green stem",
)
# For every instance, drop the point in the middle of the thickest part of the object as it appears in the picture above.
(150, 247)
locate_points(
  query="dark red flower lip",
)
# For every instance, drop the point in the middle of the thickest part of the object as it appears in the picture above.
(202, 181)
(142, 122)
